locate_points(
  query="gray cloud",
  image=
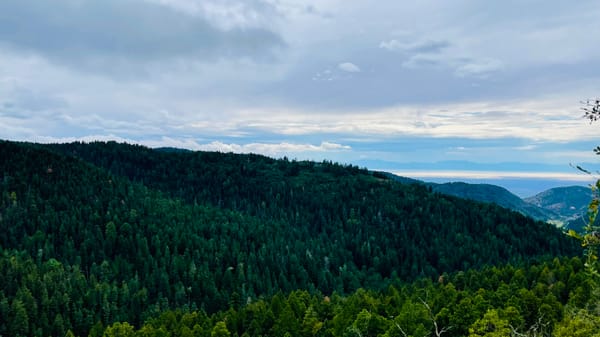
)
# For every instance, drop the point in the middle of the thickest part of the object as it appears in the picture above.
(93, 33)
(429, 53)
(22, 103)
(419, 47)
(423, 60)
(248, 72)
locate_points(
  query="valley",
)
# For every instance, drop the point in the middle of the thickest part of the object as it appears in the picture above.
(565, 207)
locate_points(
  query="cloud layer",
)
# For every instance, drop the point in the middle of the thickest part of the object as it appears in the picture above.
(102, 33)
(347, 81)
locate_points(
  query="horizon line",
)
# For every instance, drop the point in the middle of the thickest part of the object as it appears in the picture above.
(496, 175)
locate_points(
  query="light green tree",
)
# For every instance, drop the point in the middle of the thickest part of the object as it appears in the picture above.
(591, 236)
(220, 330)
(490, 325)
(119, 330)
(311, 324)
(366, 324)
(579, 324)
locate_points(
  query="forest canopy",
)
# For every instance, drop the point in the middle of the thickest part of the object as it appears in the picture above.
(100, 233)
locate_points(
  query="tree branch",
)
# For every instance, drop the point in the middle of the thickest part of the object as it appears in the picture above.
(438, 331)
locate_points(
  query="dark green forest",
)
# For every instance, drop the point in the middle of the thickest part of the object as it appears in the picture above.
(122, 240)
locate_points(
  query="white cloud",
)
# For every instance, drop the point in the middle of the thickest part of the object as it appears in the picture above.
(269, 149)
(272, 149)
(462, 65)
(423, 60)
(528, 147)
(541, 119)
(227, 14)
(349, 67)
(246, 72)
(441, 53)
(481, 68)
(391, 45)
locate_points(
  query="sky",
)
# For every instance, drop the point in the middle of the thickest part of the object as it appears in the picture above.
(457, 88)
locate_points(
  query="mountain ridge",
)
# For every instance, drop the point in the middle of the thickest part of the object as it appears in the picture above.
(560, 205)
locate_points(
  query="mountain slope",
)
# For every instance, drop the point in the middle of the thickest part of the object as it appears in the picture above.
(568, 202)
(323, 197)
(485, 193)
(495, 194)
(206, 230)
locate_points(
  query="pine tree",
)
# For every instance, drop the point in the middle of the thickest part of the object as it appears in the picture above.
(220, 330)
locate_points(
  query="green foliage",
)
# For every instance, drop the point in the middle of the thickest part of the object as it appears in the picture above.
(591, 237)
(220, 330)
(119, 330)
(491, 325)
(135, 233)
(18, 319)
(402, 310)
(579, 324)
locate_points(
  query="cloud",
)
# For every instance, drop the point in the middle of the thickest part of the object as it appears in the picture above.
(541, 119)
(325, 75)
(390, 45)
(419, 47)
(272, 149)
(271, 72)
(423, 60)
(227, 14)
(527, 147)
(343, 71)
(463, 67)
(429, 53)
(349, 67)
(481, 68)
(419, 53)
(22, 102)
(269, 149)
(112, 32)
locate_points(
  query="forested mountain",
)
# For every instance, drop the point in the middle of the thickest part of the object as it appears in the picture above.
(569, 203)
(562, 206)
(495, 194)
(556, 299)
(92, 234)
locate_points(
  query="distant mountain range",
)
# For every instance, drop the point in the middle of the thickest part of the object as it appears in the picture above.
(460, 165)
(495, 194)
(562, 206)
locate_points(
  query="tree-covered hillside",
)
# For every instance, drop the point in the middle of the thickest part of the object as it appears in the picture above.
(556, 299)
(103, 232)
(494, 194)
(306, 193)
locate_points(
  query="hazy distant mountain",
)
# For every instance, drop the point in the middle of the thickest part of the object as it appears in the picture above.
(495, 194)
(463, 165)
(567, 202)
(563, 206)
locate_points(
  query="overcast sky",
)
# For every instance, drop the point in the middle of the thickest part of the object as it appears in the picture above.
(382, 82)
